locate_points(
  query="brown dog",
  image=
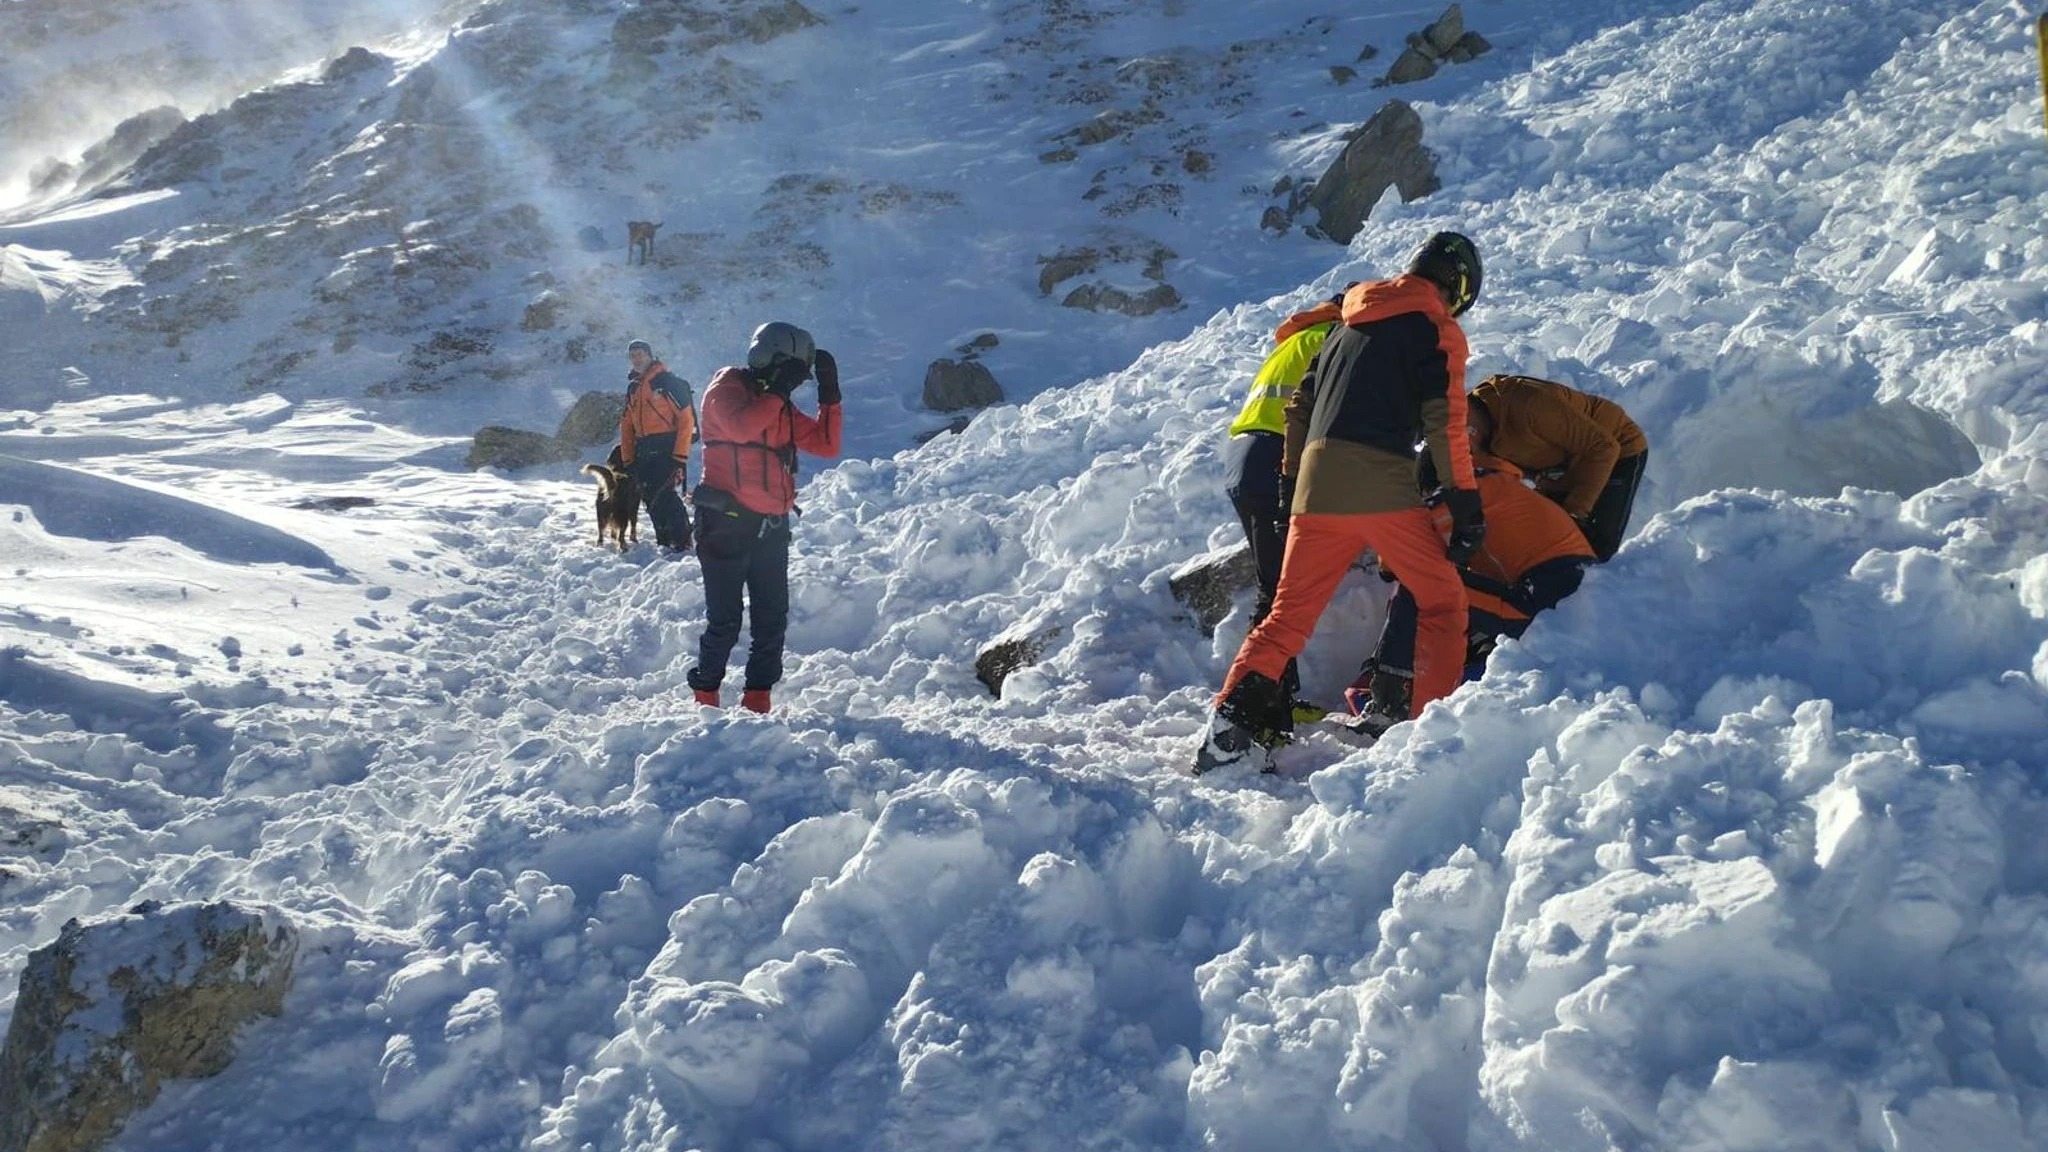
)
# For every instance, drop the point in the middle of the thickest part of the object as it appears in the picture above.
(640, 239)
(618, 501)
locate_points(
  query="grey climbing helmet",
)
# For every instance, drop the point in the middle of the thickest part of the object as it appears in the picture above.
(776, 342)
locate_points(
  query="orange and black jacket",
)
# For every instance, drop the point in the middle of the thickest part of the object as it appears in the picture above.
(659, 416)
(1568, 439)
(1526, 533)
(1392, 375)
(751, 438)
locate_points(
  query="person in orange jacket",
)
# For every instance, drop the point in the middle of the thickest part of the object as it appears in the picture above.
(1584, 451)
(752, 434)
(1391, 375)
(655, 432)
(1533, 557)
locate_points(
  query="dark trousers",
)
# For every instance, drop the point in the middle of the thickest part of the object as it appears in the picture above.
(1608, 522)
(655, 471)
(1540, 589)
(1251, 477)
(745, 557)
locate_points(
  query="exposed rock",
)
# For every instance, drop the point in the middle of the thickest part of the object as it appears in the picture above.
(1058, 156)
(1108, 298)
(1410, 66)
(1367, 53)
(110, 1010)
(1275, 219)
(1053, 270)
(1208, 585)
(1443, 40)
(590, 238)
(513, 448)
(1470, 45)
(542, 312)
(1386, 151)
(1018, 648)
(1196, 163)
(353, 62)
(1343, 75)
(333, 503)
(1447, 31)
(981, 343)
(953, 427)
(592, 419)
(950, 386)
(129, 140)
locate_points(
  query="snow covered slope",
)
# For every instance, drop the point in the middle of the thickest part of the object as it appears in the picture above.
(1737, 851)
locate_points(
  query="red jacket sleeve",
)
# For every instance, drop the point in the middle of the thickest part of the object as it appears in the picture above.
(818, 435)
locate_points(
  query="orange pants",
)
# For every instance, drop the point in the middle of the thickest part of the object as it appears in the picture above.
(1320, 549)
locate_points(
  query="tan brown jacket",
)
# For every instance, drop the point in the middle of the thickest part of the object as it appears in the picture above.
(1567, 439)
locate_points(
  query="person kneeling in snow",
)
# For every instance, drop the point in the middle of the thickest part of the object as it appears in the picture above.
(1584, 451)
(1392, 375)
(1533, 557)
(752, 433)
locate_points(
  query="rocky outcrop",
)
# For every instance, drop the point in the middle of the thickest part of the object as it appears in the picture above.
(1386, 151)
(1109, 298)
(592, 419)
(955, 385)
(111, 1010)
(1208, 585)
(1445, 41)
(497, 446)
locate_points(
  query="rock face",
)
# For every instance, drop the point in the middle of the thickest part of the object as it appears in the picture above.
(1386, 151)
(1207, 585)
(593, 419)
(111, 1010)
(955, 385)
(497, 446)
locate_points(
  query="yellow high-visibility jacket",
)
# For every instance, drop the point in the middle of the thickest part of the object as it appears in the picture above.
(1265, 409)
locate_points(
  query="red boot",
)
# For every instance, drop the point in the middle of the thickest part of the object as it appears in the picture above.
(755, 700)
(708, 697)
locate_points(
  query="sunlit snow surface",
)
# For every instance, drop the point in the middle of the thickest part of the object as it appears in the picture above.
(1738, 851)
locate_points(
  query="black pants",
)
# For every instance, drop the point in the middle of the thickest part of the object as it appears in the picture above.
(1608, 522)
(745, 557)
(654, 469)
(1540, 589)
(1251, 474)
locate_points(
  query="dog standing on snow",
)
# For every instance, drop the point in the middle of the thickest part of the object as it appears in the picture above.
(640, 239)
(618, 501)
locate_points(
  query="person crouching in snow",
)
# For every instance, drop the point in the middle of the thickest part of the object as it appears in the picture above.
(752, 434)
(1392, 375)
(1583, 450)
(655, 432)
(1533, 557)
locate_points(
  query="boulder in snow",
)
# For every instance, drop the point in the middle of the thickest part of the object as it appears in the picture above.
(1207, 585)
(593, 419)
(497, 446)
(954, 385)
(112, 1009)
(1017, 648)
(1109, 298)
(1386, 151)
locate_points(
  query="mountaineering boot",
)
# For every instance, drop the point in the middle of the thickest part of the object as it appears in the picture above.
(708, 697)
(755, 700)
(1255, 718)
(1389, 705)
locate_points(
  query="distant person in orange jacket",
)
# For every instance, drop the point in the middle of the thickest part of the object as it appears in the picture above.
(1392, 374)
(655, 432)
(1584, 451)
(752, 434)
(1533, 557)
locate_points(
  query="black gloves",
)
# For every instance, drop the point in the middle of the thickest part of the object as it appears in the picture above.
(1285, 507)
(1468, 523)
(827, 370)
